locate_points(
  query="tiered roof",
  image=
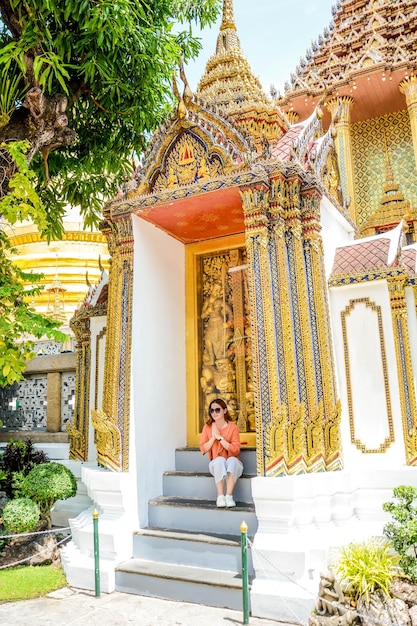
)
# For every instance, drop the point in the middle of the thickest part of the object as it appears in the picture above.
(368, 48)
(229, 83)
(228, 80)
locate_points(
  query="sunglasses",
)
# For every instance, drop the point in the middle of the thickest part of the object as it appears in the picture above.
(216, 409)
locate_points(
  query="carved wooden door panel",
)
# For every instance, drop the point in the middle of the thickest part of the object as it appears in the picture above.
(219, 357)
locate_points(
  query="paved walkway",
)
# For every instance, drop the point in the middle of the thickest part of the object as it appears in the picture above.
(72, 606)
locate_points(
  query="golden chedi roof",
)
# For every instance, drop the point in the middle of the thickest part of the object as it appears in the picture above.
(229, 83)
(392, 209)
(364, 41)
(65, 261)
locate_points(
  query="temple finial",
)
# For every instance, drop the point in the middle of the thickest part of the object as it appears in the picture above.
(228, 20)
(388, 167)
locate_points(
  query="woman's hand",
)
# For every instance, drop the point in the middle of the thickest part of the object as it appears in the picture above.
(215, 431)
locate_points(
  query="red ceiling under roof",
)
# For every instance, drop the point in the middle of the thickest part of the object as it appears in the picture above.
(197, 218)
(375, 94)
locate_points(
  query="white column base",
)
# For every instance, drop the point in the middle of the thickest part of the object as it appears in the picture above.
(113, 496)
(303, 521)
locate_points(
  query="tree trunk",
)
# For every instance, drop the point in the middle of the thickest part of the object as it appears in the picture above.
(43, 122)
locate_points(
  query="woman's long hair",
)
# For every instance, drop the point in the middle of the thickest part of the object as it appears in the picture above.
(223, 404)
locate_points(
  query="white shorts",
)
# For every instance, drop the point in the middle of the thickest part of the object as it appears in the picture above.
(220, 467)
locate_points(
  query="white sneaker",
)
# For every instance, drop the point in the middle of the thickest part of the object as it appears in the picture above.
(221, 502)
(229, 501)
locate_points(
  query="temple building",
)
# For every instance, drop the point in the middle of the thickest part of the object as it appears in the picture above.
(266, 255)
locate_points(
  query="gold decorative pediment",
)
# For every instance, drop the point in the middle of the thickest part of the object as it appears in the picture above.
(187, 161)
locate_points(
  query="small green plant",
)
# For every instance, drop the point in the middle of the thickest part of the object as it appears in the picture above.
(18, 457)
(47, 483)
(402, 532)
(21, 515)
(367, 567)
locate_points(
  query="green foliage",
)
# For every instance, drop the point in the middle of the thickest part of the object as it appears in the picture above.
(21, 515)
(23, 201)
(367, 567)
(12, 91)
(17, 460)
(402, 531)
(18, 320)
(48, 482)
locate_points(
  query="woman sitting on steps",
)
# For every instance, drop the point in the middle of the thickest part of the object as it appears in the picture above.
(220, 438)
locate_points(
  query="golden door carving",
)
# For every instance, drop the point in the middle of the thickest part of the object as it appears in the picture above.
(219, 356)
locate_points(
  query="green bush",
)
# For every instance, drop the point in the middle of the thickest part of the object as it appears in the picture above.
(19, 457)
(367, 567)
(402, 532)
(47, 483)
(21, 515)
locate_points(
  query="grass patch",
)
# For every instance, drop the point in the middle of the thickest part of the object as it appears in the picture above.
(27, 582)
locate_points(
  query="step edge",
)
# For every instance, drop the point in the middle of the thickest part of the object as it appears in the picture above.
(201, 503)
(192, 474)
(186, 536)
(197, 575)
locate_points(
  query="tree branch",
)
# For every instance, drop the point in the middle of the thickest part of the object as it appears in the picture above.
(42, 120)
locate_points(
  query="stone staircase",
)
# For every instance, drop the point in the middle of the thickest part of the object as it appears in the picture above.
(191, 549)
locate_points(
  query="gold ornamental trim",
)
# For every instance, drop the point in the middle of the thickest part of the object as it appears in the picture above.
(349, 278)
(386, 444)
(108, 440)
(78, 429)
(116, 392)
(79, 236)
(396, 289)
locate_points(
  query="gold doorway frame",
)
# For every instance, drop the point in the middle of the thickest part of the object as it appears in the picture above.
(193, 252)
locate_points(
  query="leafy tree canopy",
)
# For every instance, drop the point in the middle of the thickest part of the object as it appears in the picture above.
(85, 82)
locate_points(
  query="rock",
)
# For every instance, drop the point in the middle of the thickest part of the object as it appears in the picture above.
(383, 610)
(32, 550)
(413, 615)
(404, 591)
(3, 501)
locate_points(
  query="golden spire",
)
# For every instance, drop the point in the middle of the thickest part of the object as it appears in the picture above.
(227, 38)
(228, 80)
(228, 20)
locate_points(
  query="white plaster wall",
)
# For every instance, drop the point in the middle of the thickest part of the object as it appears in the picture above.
(367, 383)
(96, 378)
(158, 398)
(336, 230)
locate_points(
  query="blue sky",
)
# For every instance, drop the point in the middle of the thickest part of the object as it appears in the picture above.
(273, 34)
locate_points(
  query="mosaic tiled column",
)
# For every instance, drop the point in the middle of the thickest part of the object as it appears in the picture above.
(112, 422)
(78, 429)
(396, 288)
(295, 392)
(327, 416)
(340, 109)
(409, 88)
(292, 317)
(264, 344)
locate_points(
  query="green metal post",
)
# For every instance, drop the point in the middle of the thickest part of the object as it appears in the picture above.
(245, 577)
(96, 554)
